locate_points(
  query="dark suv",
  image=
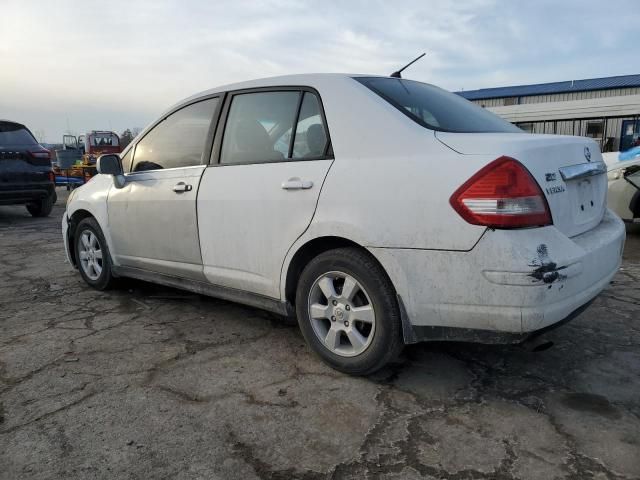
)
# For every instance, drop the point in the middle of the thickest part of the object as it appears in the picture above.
(26, 177)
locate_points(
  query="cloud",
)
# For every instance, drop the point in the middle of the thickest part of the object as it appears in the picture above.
(120, 63)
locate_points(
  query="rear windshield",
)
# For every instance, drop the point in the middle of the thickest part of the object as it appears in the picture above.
(14, 134)
(103, 140)
(435, 108)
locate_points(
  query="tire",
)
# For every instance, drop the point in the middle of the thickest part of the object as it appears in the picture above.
(379, 341)
(88, 240)
(41, 208)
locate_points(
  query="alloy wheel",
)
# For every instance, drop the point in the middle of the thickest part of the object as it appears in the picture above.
(90, 253)
(341, 314)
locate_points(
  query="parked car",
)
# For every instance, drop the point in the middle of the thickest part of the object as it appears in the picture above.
(623, 195)
(379, 211)
(26, 177)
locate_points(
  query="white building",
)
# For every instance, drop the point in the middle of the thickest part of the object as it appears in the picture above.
(607, 109)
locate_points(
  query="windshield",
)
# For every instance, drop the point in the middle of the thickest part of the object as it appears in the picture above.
(15, 134)
(435, 108)
(104, 140)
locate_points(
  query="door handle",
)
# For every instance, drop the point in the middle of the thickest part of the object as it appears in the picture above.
(296, 184)
(182, 187)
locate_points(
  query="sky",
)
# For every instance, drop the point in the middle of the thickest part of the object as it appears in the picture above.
(75, 66)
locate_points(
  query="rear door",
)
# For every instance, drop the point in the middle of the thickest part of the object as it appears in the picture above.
(260, 193)
(152, 220)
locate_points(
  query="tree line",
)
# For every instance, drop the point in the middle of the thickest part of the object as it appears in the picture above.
(127, 136)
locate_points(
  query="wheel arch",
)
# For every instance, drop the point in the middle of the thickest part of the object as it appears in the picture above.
(311, 249)
(74, 219)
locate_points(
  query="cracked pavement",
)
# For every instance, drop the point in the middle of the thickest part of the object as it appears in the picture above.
(150, 382)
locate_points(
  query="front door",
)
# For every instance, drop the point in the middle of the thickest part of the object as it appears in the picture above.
(261, 195)
(152, 220)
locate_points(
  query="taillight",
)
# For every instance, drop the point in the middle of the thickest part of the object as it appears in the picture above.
(503, 194)
(52, 177)
(40, 154)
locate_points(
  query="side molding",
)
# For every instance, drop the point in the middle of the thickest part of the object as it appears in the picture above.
(253, 300)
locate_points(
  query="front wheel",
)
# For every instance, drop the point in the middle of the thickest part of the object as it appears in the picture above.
(348, 311)
(92, 255)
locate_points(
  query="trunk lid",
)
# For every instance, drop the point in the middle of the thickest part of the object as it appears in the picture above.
(569, 170)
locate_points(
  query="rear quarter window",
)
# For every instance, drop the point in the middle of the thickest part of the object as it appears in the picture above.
(15, 134)
(435, 108)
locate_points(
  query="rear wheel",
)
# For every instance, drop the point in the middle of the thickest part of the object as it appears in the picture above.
(42, 208)
(92, 255)
(348, 312)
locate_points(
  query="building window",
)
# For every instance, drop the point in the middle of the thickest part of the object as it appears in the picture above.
(595, 129)
(527, 127)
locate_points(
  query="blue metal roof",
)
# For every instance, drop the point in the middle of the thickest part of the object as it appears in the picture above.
(622, 81)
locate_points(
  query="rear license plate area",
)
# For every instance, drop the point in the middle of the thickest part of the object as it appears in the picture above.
(585, 198)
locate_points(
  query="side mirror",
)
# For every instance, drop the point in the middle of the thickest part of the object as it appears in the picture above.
(110, 164)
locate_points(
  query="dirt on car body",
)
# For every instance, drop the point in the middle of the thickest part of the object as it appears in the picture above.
(143, 382)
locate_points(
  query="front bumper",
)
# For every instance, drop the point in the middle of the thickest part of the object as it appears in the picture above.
(511, 282)
(65, 237)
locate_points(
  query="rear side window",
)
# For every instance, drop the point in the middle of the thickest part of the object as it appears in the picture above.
(273, 126)
(435, 108)
(178, 141)
(311, 136)
(15, 134)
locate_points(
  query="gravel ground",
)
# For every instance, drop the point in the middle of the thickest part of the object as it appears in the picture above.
(149, 382)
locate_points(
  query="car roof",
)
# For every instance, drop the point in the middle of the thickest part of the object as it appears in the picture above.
(302, 79)
(283, 80)
(296, 80)
(11, 121)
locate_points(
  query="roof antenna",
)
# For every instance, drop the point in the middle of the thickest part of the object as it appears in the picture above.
(397, 74)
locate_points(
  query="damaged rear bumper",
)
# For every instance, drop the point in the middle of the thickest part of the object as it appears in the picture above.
(423, 333)
(512, 283)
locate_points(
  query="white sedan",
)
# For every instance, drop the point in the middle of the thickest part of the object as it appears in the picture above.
(623, 195)
(379, 211)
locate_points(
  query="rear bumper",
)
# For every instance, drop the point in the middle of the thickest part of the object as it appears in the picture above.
(22, 194)
(511, 282)
(421, 333)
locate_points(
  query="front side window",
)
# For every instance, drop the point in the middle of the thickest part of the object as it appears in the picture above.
(126, 161)
(311, 136)
(178, 141)
(435, 108)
